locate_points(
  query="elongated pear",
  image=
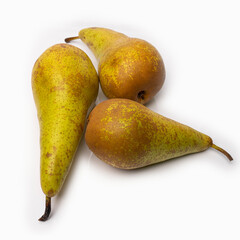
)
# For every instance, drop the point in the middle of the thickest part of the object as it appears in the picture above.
(127, 135)
(128, 67)
(64, 84)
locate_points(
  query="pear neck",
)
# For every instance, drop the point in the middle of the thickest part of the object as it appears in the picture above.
(99, 40)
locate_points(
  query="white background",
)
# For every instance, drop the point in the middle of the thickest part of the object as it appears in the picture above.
(193, 197)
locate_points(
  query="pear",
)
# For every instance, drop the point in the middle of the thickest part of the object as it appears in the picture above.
(128, 135)
(128, 67)
(64, 84)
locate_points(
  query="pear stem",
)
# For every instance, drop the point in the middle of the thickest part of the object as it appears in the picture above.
(67, 40)
(222, 151)
(46, 214)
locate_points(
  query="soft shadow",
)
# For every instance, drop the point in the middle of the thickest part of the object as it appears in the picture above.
(161, 166)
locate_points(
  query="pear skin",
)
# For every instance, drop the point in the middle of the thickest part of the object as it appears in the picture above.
(64, 84)
(128, 67)
(99, 40)
(127, 135)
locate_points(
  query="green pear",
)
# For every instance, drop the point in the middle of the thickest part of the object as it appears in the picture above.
(128, 67)
(64, 84)
(128, 135)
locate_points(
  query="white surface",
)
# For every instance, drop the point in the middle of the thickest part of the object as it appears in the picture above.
(193, 197)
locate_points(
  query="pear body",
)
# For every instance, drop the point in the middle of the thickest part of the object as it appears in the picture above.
(64, 84)
(128, 67)
(127, 135)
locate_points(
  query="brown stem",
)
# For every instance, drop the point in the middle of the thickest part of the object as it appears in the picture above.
(67, 40)
(222, 151)
(46, 214)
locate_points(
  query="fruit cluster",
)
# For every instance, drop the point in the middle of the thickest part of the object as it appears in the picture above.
(120, 131)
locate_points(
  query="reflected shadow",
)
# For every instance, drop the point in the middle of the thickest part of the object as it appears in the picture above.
(160, 166)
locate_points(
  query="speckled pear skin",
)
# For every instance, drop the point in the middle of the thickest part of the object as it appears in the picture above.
(128, 67)
(128, 135)
(64, 84)
(99, 40)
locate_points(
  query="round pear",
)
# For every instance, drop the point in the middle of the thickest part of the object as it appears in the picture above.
(128, 67)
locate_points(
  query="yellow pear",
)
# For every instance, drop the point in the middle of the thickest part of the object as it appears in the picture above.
(64, 84)
(128, 135)
(128, 67)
